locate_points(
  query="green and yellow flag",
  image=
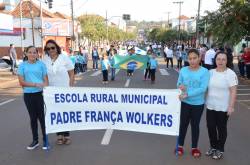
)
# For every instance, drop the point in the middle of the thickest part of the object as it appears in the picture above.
(131, 62)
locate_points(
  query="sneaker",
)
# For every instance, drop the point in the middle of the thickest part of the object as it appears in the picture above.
(33, 145)
(210, 152)
(217, 155)
(45, 147)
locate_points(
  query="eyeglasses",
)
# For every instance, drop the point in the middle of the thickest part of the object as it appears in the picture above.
(50, 48)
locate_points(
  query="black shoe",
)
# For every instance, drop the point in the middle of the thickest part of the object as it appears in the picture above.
(210, 152)
(33, 145)
(217, 155)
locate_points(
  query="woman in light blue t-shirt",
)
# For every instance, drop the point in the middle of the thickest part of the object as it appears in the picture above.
(32, 75)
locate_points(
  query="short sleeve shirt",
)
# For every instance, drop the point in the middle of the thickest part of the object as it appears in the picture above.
(219, 89)
(58, 70)
(32, 73)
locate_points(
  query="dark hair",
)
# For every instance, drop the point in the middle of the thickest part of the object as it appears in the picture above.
(216, 55)
(11, 44)
(58, 49)
(31, 46)
(195, 51)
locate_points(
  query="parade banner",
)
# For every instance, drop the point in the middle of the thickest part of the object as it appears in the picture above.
(131, 61)
(141, 110)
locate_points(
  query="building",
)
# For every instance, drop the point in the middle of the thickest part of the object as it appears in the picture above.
(186, 23)
(36, 30)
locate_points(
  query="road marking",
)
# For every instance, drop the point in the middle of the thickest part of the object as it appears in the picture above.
(96, 73)
(7, 101)
(243, 100)
(116, 71)
(127, 83)
(243, 94)
(243, 85)
(164, 72)
(243, 89)
(107, 136)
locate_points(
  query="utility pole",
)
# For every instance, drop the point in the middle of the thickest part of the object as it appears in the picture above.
(179, 30)
(107, 27)
(73, 29)
(41, 19)
(32, 22)
(197, 25)
(21, 24)
(168, 18)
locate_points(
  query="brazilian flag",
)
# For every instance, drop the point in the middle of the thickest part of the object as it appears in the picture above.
(131, 61)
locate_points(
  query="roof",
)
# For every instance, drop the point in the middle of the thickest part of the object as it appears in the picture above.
(60, 15)
(27, 4)
(183, 17)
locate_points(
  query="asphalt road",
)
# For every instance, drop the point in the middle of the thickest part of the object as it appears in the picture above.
(123, 147)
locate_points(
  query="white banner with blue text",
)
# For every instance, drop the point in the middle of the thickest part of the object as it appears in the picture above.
(141, 110)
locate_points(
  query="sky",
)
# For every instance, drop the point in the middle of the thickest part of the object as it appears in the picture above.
(149, 10)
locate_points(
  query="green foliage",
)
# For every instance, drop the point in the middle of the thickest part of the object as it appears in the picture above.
(230, 23)
(166, 35)
(94, 28)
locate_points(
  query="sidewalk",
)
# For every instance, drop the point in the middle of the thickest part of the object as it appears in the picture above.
(6, 76)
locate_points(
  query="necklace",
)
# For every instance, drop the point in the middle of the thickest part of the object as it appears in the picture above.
(53, 60)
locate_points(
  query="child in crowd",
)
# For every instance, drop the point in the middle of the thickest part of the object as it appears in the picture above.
(105, 64)
(153, 66)
(112, 54)
(147, 70)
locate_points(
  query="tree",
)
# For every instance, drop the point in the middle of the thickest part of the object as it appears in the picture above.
(94, 28)
(230, 23)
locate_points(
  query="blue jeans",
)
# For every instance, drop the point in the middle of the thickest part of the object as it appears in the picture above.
(95, 62)
(112, 73)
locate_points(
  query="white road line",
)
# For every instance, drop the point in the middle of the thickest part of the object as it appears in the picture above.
(243, 85)
(96, 73)
(243, 89)
(243, 100)
(116, 71)
(7, 101)
(164, 72)
(243, 94)
(107, 136)
(127, 83)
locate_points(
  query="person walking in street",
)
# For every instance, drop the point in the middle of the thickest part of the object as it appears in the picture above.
(241, 63)
(13, 58)
(105, 65)
(209, 58)
(32, 76)
(192, 81)
(169, 56)
(147, 70)
(153, 64)
(95, 58)
(246, 58)
(60, 74)
(220, 101)
(179, 58)
(112, 55)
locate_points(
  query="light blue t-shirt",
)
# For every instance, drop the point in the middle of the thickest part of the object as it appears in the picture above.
(105, 64)
(32, 73)
(153, 63)
(196, 83)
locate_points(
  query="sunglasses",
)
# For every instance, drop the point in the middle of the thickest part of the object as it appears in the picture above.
(50, 48)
